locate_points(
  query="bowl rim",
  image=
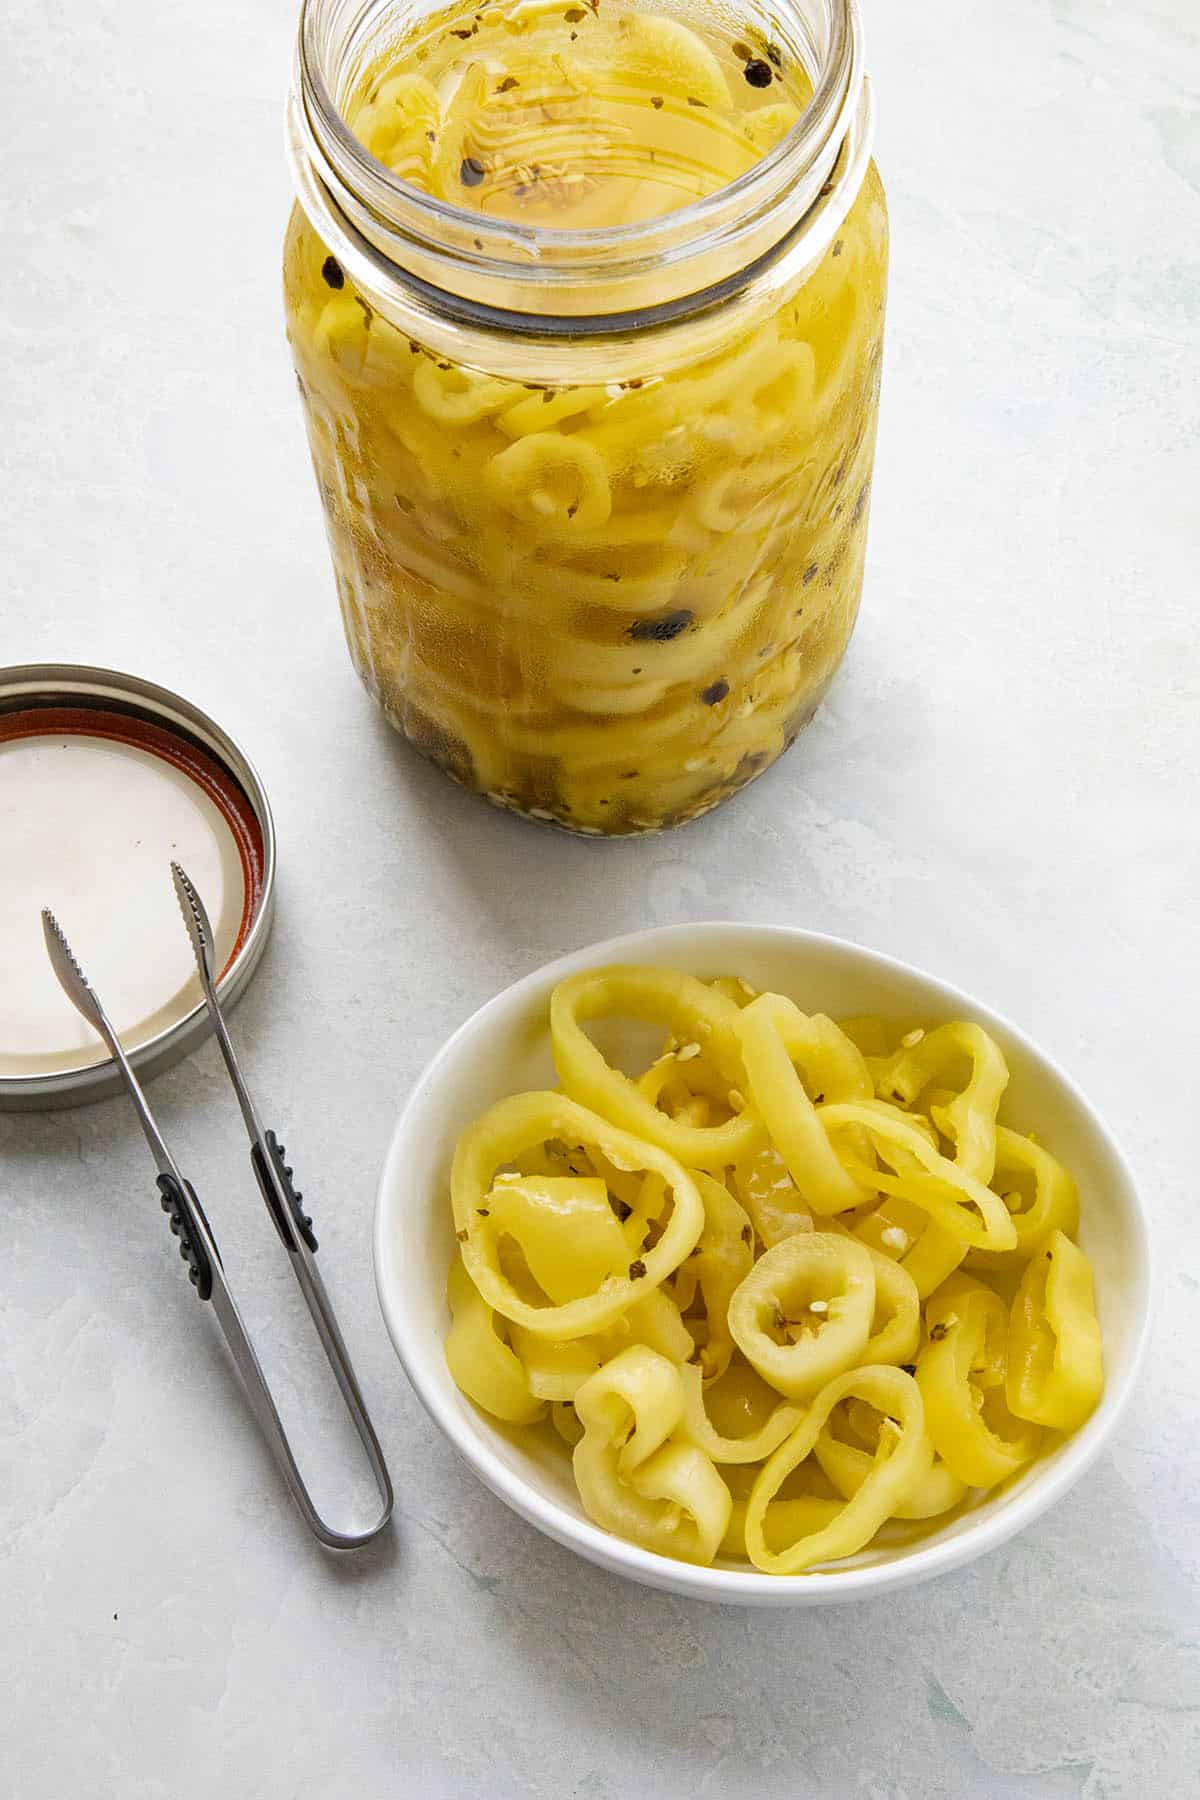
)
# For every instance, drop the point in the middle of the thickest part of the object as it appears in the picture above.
(733, 1586)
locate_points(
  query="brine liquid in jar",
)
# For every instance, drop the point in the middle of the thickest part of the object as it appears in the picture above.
(610, 599)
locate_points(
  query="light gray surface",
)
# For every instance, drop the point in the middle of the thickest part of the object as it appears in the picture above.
(1002, 787)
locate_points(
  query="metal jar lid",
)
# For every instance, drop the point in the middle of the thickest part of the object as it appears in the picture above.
(104, 778)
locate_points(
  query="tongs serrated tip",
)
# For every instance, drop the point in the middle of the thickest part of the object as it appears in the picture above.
(196, 919)
(71, 978)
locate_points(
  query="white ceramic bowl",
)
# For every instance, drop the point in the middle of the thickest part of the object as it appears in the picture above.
(505, 1048)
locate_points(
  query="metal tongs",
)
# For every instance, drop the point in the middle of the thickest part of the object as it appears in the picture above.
(197, 1245)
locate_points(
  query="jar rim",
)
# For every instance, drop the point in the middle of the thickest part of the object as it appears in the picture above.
(500, 272)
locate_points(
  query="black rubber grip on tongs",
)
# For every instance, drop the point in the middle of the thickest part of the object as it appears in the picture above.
(177, 1205)
(299, 1220)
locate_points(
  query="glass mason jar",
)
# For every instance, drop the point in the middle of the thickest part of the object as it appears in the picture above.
(596, 498)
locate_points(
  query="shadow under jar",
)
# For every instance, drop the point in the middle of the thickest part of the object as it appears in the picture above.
(586, 305)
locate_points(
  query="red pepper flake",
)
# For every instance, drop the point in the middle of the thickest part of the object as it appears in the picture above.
(839, 247)
(637, 1270)
(811, 573)
(938, 1332)
(431, 137)
(656, 101)
(773, 55)
(484, 1212)
(717, 691)
(469, 33)
(471, 172)
(757, 72)
(461, 1236)
(694, 102)
(478, 243)
(332, 273)
(508, 84)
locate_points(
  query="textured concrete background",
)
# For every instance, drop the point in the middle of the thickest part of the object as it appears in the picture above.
(1002, 787)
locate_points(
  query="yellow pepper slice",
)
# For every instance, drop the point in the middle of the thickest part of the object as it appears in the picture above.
(1054, 1207)
(719, 1263)
(567, 1232)
(960, 1373)
(896, 1322)
(927, 1251)
(939, 1187)
(775, 1035)
(685, 1006)
(697, 1428)
(654, 1321)
(632, 1479)
(555, 1368)
(783, 1522)
(734, 988)
(970, 1115)
(484, 1367)
(902, 1456)
(565, 1422)
(936, 1489)
(804, 1312)
(505, 1132)
(1055, 1357)
(770, 1196)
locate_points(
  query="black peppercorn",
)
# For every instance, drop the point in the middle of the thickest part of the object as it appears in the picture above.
(471, 172)
(757, 72)
(331, 271)
(664, 628)
(717, 691)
